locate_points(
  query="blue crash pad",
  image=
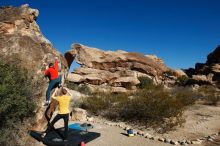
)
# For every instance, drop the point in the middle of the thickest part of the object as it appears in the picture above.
(80, 127)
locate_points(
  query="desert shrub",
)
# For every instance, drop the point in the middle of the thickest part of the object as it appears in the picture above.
(151, 107)
(209, 93)
(127, 85)
(154, 107)
(84, 89)
(186, 95)
(182, 80)
(169, 73)
(81, 88)
(145, 83)
(16, 101)
(72, 85)
(98, 102)
(157, 106)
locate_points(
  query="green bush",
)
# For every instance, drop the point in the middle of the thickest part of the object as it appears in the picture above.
(16, 101)
(182, 80)
(145, 83)
(186, 95)
(81, 88)
(210, 94)
(72, 85)
(98, 102)
(151, 107)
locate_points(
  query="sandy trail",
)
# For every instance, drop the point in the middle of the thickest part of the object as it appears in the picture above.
(201, 120)
(115, 136)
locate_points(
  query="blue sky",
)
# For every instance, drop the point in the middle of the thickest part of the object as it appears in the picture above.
(181, 32)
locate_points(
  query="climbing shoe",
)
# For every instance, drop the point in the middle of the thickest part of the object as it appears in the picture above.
(47, 102)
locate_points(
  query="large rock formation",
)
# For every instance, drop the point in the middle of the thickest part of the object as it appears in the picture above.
(21, 38)
(209, 71)
(115, 69)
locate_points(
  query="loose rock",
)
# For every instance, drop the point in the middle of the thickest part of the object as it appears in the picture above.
(167, 140)
(161, 139)
(196, 141)
(174, 142)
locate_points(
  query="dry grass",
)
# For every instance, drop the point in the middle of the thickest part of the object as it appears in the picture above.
(210, 94)
(151, 105)
(81, 88)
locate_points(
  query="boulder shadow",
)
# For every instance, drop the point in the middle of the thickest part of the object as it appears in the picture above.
(55, 138)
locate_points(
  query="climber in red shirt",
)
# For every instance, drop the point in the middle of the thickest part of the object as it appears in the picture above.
(55, 79)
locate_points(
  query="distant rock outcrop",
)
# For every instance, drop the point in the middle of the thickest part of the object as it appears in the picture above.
(209, 71)
(114, 69)
(21, 38)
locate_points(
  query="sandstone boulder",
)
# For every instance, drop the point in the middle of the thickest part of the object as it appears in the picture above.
(75, 78)
(77, 96)
(125, 81)
(106, 88)
(115, 69)
(211, 69)
(215, 68)
(214, 57)
(79, 114)
(20, 36)
(21, 39)
(201, 79)
(179, 73)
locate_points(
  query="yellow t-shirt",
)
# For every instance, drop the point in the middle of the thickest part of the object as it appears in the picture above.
(63, 102)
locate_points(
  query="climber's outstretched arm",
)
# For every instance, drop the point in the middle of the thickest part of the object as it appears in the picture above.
(68, 91)
(54, 93)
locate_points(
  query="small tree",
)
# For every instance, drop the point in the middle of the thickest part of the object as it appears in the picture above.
(16, 103)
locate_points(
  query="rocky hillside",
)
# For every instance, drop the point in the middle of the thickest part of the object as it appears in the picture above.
(117, 71)
(21, 39)
(209, 71)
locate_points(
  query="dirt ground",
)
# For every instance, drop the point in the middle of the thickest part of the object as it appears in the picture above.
(201, 121)
(115, 136)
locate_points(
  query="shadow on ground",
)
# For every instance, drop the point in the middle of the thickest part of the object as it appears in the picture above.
(55, 138)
